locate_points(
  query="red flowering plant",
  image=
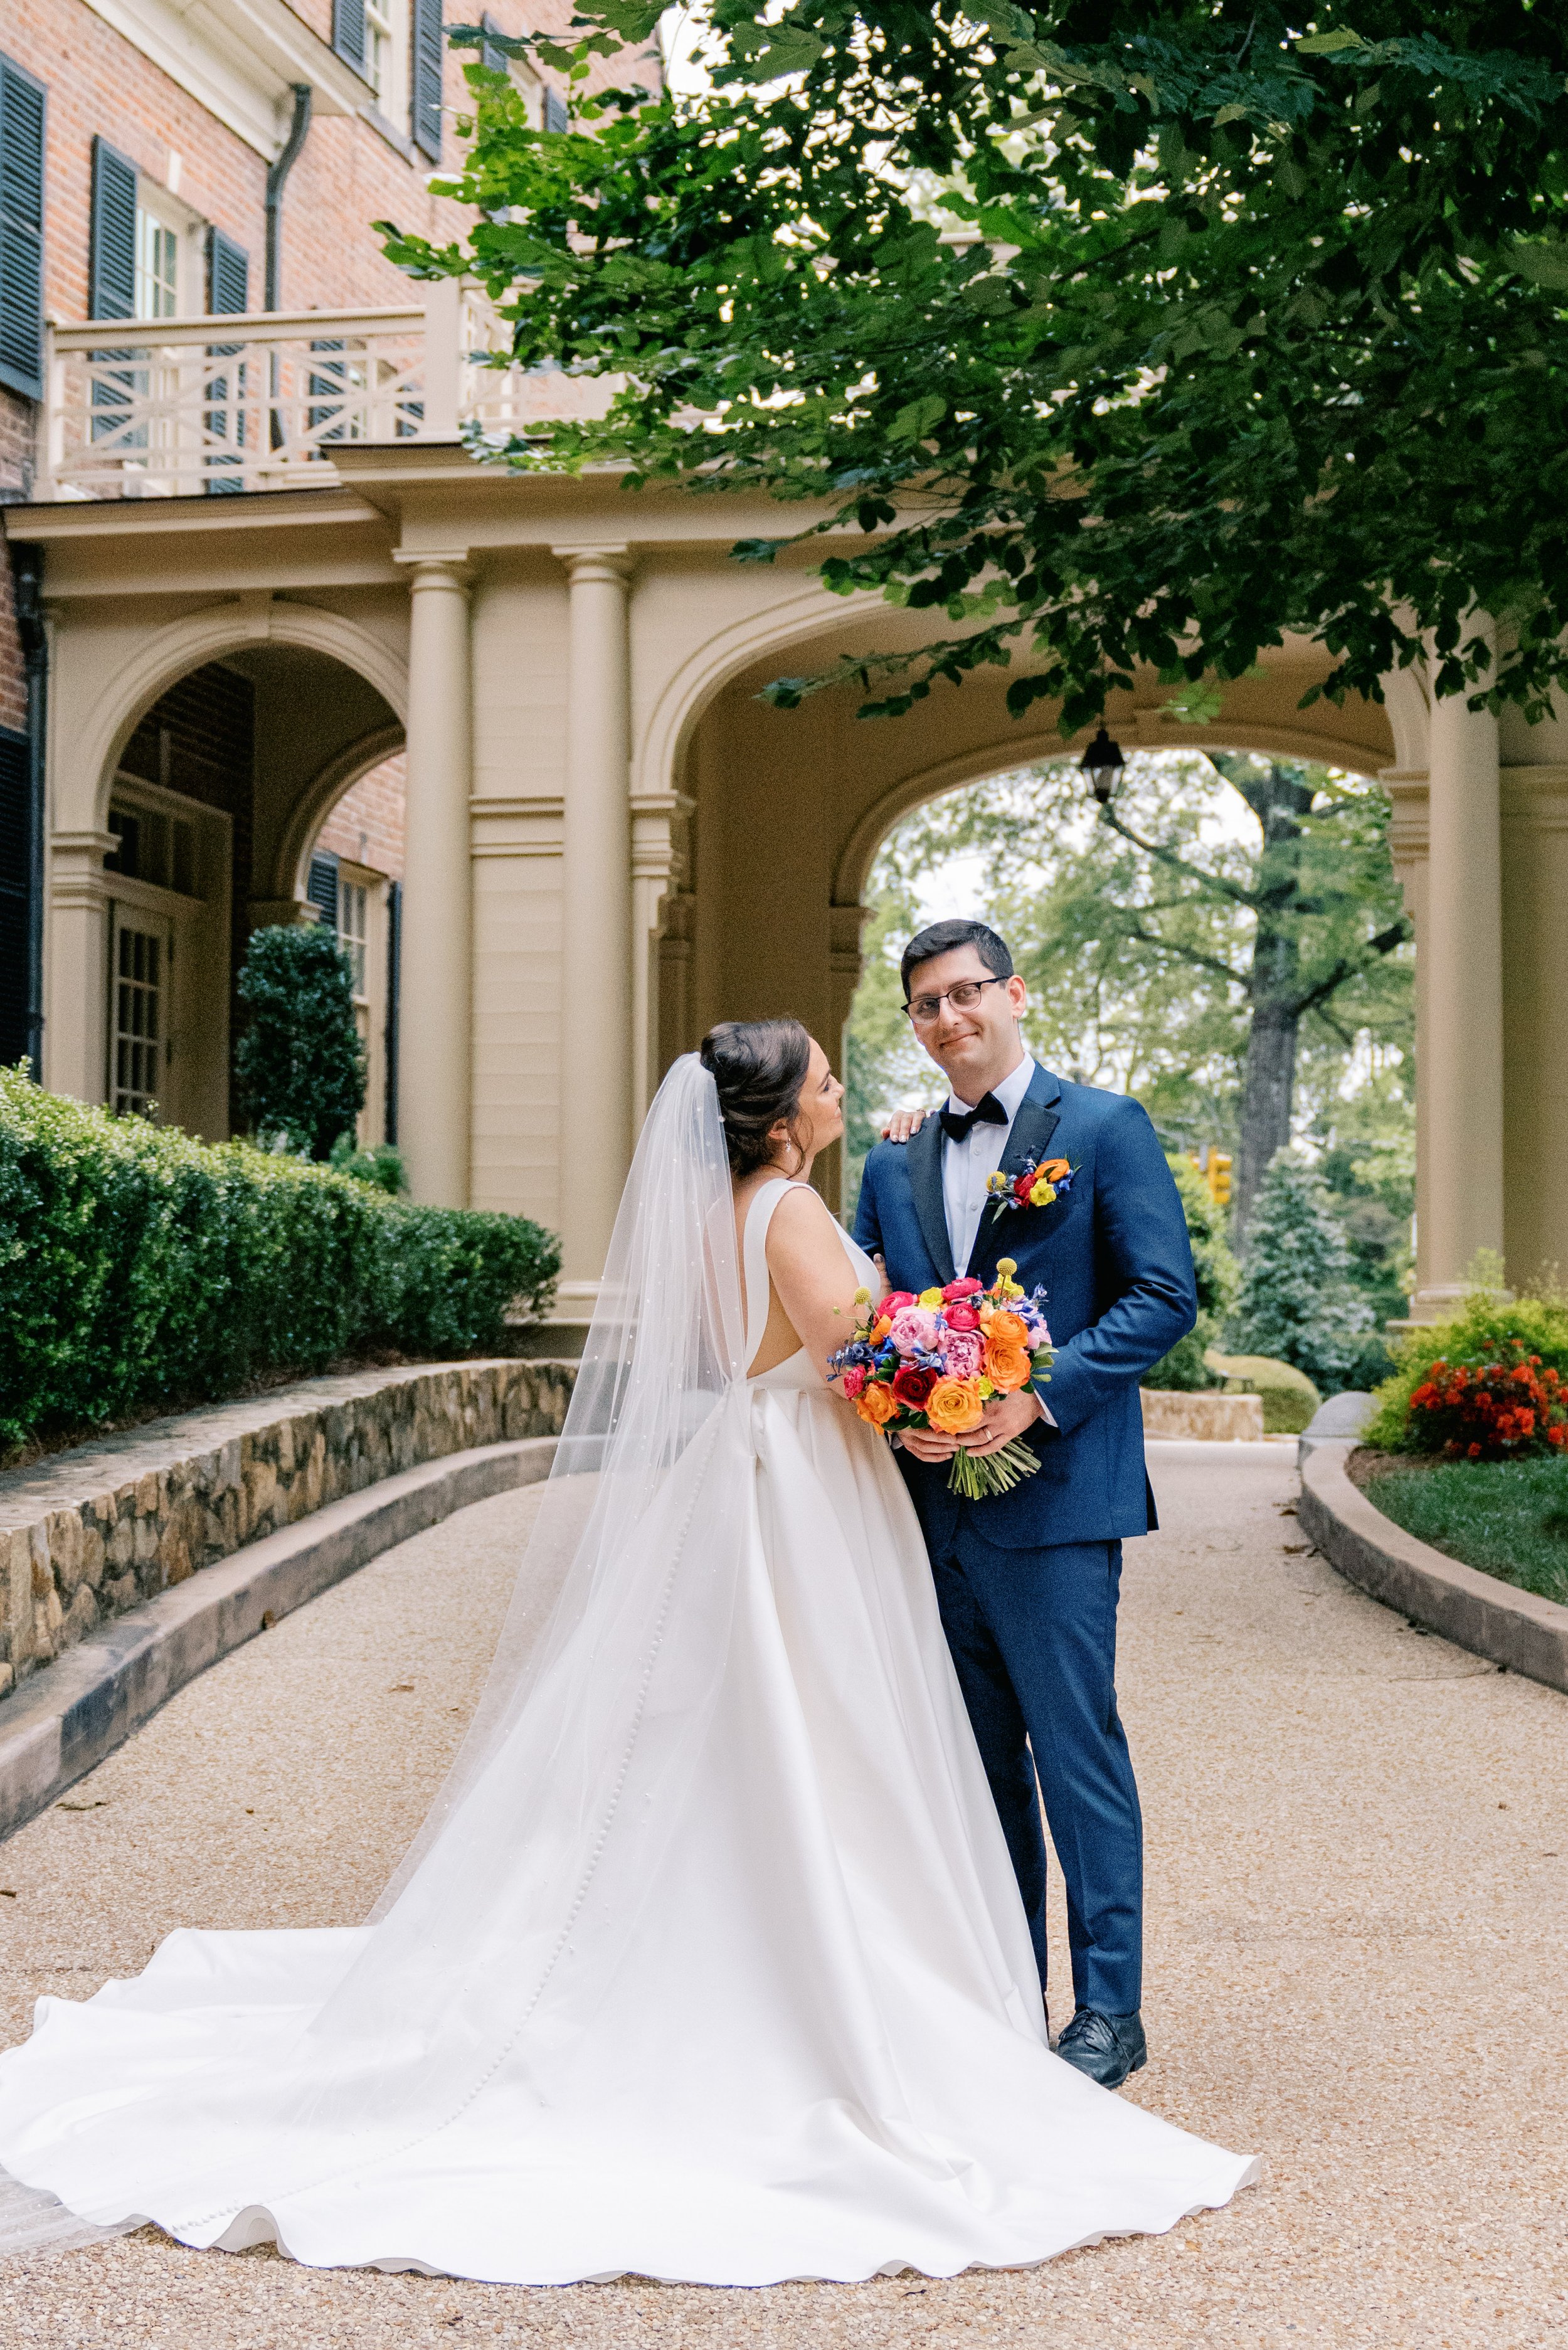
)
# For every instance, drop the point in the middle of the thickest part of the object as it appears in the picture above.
(1498, 1404)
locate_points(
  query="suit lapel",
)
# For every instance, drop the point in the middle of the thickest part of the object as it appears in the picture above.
(1037, 1120)
(924, 1159)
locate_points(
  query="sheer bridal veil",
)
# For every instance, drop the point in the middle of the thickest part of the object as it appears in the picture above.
(491, 1945)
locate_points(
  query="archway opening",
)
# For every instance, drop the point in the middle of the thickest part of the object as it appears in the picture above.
(210, 809)
(1227, 942)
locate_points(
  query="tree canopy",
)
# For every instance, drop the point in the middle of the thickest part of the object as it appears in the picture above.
(1133, 333)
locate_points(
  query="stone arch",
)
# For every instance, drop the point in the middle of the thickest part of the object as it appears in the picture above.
(315, 804)
(923, 785)
(187, 644)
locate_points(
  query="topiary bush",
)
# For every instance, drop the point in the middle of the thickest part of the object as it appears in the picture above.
(1296, 1303)
(138, 1266)
(1485, 1330)
(299, 1064)
(1290, 1397)
(1216, 1273)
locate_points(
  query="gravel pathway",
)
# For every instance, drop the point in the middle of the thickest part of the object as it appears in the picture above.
(1358, 1858)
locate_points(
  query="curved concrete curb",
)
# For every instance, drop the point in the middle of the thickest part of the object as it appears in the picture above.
(1516, 1628)
(66, 1717)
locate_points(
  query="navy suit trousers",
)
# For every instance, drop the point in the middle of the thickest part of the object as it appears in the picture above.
(1032, 1633)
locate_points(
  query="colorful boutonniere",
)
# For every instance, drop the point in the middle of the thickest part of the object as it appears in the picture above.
(1037, 1182)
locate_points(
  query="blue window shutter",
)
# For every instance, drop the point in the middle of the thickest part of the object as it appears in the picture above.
(21, 231)
(228, 275)
(228, 293)
(555, 115)
(322, 886)
(348, 32)
(111, 262)
(430, 57)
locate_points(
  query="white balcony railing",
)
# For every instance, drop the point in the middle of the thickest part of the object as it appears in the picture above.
(179, 408)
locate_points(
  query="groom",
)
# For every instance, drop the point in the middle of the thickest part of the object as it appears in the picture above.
(1027, 1580)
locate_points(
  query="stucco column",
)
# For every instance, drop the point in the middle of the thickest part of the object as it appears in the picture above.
(435, 1011)
(598, 1010)
(1461, 957)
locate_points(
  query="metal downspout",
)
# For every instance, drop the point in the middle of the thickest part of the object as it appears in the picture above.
(27, 572)
(276, 177)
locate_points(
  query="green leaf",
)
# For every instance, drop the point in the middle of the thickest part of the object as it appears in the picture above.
(913, 422)
(1329, 45)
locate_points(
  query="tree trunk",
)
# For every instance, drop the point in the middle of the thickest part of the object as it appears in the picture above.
(1279, 797)
(1267, 1089)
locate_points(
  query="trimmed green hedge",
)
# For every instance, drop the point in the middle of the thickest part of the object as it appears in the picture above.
(136, 1264)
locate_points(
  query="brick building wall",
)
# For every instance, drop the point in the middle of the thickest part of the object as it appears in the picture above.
(349, 173)
(15, 483)
(367, 824)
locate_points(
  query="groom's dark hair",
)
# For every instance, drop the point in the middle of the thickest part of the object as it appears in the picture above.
(940, 938)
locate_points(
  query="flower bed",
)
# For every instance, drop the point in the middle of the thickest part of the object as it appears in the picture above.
(139, 1265)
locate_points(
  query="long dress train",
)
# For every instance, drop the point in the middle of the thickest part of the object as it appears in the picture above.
(750, 1997)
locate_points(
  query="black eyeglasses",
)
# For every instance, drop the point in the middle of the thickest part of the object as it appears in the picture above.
(923, 1009)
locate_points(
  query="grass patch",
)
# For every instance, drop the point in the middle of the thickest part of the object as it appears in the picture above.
(1509, 1518)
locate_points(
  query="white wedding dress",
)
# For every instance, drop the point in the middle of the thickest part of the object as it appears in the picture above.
(710, 1965)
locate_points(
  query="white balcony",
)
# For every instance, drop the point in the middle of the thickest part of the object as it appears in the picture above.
(187, 407)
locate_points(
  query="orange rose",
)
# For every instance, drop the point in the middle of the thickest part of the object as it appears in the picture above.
(1053, 1170)
(877, 1404)
(880, 1329)
(953, 1407)
(1006, 1330)
(1007, 1368)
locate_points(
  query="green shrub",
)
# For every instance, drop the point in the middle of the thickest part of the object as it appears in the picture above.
(139, 1266)
(1539, 1323)
(1290, 1399)
(1296, 1303)
(1216, 1273)
(381, 1165)
(299, 1064)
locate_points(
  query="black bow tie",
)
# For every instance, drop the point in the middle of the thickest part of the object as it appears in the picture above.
(987, 1111)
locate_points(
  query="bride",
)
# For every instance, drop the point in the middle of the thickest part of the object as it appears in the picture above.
(709, 1963)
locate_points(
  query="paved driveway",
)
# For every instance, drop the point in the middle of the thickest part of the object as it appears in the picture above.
(1358, 1869)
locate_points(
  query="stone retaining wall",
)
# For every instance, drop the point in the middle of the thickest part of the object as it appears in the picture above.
(1204, 1413)
(88, 1534)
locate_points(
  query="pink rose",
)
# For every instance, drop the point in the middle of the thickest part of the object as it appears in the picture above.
(854, 1380)
(965, 1354)
(962, 1315)
(914, 1330)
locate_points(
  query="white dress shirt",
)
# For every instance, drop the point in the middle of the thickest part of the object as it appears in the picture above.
(966, 1165)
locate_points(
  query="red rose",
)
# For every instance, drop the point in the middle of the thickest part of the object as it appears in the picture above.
(895, 1301)
(968, 1288)
(961, 1316)
(913, 1387)
(1022, 1185)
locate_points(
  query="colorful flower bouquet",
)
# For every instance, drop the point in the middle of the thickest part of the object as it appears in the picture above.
(935, 1362)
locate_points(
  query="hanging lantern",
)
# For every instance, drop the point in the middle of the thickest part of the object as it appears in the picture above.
(1103, 764)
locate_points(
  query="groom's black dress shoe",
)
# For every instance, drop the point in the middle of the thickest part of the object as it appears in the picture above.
(1106, 2047)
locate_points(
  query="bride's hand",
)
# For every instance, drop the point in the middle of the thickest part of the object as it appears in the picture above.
(903, 1123)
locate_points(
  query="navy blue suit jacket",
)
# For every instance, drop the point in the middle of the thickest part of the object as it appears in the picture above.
(1114, 1258)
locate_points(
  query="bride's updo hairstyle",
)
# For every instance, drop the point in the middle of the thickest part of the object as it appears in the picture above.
(759, 1068)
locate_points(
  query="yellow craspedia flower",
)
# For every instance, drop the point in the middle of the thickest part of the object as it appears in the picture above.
(1042, 1195)
(1007, 1266)
(863, 1297)
(930, 1297)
